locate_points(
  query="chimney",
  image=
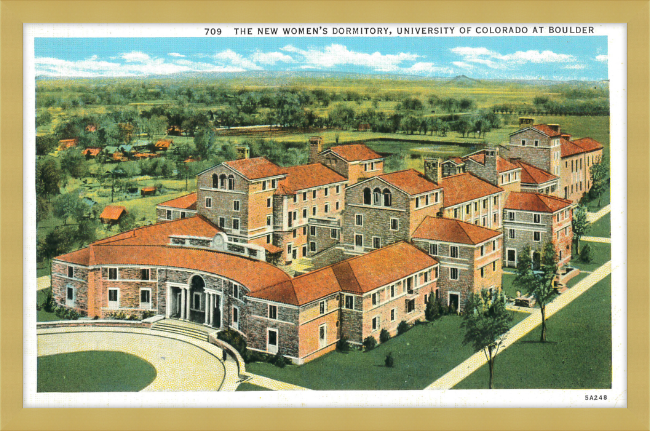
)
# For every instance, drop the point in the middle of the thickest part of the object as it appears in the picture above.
(555, 127)
(243, 152)
(315, 147)
(566, 136)
(433, 169)
(526, 121)
(491, 159)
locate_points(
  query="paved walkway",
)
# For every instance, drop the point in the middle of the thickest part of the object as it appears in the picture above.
(592, 217)
(596, 239)
(477, 360)
(43, 282)
(274, 385)
(182, 363)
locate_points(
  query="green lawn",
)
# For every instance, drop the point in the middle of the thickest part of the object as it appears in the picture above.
(601, 253)
(577, 355)
(95, 371)
(601, 227)
(244, 387)
(421, 356)
(42, 315)
(605, 200)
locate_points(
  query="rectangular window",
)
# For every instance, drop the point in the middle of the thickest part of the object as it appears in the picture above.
(269, 220)
(511, 233)
(326, 190)
(313, 194)
(327, 207)
(375, 298)
(313, 211)
(323, 307)
(235, 291)
(475, 206)
(349, 302)
(358, 220)
(304, 230)
(338, 189)
(268, 202)
(468, 208)
(511, 215)
(375, 323)
(144, 274)
(274, 183)
(70, 271)
(304, 250)
(268, 239)
(482, 250)
(536, 236)
(392, 291)
(410, 306)
(235, 224)
(235, 205)
(455, 212)
(312, 246)
(453, 273)
(523, 142)
(394, 224)
(295, 233)
(112, 273)
(333, 234)
(376, 242)
(494, 265)
(426, 200)
(417, 202)
(264, 185)
(338, 205)
(435, 197)
(304, 213)
(537, 218)
(145, 298)
(208, 202)
(273, 312)
(392, 315)
(484, 203)
(113, 298)
(536, 143)
(453, 251)
(295, 198)
(433, 249)
(222, 222)
(322, 336)
(304, 196)
(496, 200)
(168, 215)
(312, 230)
(482, 272)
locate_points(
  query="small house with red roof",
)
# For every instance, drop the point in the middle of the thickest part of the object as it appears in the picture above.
(534, 219)
(91, 152)
(64, 144)
(178, 208)
(148, 191)
(470, 257)
(112, 214)
(163, 144)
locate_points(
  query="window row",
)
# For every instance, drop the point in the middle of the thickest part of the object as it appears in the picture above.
(393, 223)
(314, 193)
(236, 205)
(234, 225)
(169, 215)
(537, 218)
(145, 274)
(114, 298)
(426, 200)
(509, 177)
(223, 182)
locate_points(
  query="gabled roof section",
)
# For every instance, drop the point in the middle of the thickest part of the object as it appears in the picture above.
(80, 257)
(588, 144)
(542, 128)
(455, 160)
(455, 231)
(303, 177)
(354, 152)
(568, 148)
(410, 181)
(503, 165)
(112, 212)
(465, 187)
(255, 168)
(532, 174)
(185, 202)
(535, 202)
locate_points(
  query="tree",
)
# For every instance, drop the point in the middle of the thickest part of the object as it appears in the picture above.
(598, 172)
(464, 126)
(539, 284)
(43, 118)
(204, 141)
(580, 225)
(432, 309)
(70, 205)
(46, 144)
(86, 232)
(48, 178)
(410, 124)
(55, 243)
(43, 208)
(127, 222)
(74, 163)
(486, 322)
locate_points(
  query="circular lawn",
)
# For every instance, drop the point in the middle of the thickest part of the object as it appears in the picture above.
(94, 371)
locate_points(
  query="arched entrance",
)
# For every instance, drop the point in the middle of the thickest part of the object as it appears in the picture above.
(197, 299)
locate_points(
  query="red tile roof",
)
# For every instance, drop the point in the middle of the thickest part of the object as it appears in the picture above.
(355, 152)
(163, 143)
(80, 257)
(358, 275)
(532, 174)
(503, 165)
(92, 151)
(410, 181)
(568, 148)
(112, 212)
(535, 202)
(588, 144)
(455, 159)
(186, 202)
(465, 187)
(451, 230)
(546, 130)
(303, 177)
(255, 168)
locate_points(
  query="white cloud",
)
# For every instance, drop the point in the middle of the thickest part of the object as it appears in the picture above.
(533, 56)
(175, 54)
(136, 56)
(339, 55)
(271, 57)
(575, 66)
(496, 60)
(230, 58)
(602, 58)
(425, 68)
(462, 64)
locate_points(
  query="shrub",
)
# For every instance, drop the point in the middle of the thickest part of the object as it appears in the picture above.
(133, 317)
(50, 304)
(389, 361)
(279, 360)
(72, 315)
(384, 336)
(444, 309)
(343, 345)
(403, 327)
(60, 312)
(369, 343)
(432, 310)
(147, 314)
(255, 356)
(235, 339)
(586, 255)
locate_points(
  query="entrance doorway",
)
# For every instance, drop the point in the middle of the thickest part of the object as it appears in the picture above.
(358, 242)
(454, 301)
(197, 299)
(272, 342)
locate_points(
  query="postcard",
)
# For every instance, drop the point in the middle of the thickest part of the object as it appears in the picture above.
(284, 215)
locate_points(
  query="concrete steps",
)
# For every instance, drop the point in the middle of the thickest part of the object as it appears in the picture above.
(189, 329)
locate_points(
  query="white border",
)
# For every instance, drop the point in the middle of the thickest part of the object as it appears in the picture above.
(617, 396)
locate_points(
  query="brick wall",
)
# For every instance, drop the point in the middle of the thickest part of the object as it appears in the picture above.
(286, 324)
(79, 281)
(322, 238)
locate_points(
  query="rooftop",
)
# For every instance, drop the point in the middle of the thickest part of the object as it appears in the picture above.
(186, 202)
(255, 168)
(410, 181)
(354, 152)
(536, 202)
(303, 177)
(503, 165)
(112, 212)
(532, 174)
(451, 230)
(465, 187)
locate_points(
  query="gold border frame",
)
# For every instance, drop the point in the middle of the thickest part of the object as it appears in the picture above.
(14, 13)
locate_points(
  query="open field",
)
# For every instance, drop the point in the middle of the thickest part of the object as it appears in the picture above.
(93, 371)
(421, 356)
(577, 355)
(601, 227)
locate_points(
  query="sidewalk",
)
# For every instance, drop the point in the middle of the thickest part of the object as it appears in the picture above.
(43, 282)
(592, 217)
(477, 360)
(596, 239)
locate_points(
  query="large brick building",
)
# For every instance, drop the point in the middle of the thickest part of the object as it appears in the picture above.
(354, 161)
(469, 256)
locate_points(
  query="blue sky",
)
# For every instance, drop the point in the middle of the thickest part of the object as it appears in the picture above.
(542, 57)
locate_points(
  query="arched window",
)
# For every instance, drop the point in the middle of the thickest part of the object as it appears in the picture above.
(231, 182)
(215, 181)
(222, 180)
(387, 198)
(376, 197)
(366, 196)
